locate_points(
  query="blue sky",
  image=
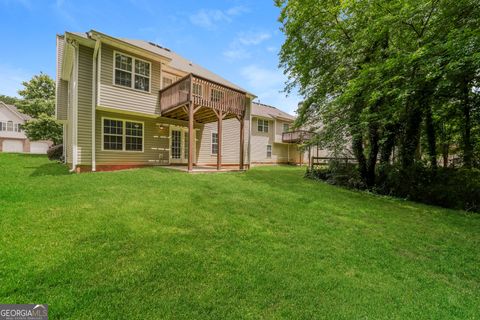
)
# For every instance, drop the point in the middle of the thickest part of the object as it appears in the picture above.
(238, 39)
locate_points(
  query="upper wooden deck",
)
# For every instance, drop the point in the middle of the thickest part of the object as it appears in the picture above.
(298, 136)
(208, 97)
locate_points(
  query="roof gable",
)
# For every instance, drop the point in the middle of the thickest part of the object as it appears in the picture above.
(270, 112)
(14, 112)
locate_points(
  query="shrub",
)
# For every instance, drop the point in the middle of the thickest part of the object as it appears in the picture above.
(446, 187)
(339, 173)
(55, 152)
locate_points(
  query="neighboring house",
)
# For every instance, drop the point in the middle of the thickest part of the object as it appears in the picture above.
(12, 137)
(129, 103)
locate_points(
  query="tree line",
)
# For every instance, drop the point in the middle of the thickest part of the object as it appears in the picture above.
(396, 81)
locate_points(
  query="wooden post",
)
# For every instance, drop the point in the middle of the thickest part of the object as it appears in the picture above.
(191, 136)
(242, 141)
(309, 161)
(219, 135)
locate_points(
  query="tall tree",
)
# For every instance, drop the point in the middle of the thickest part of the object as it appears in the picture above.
(39, 103)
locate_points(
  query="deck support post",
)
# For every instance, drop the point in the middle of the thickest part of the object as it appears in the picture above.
(242, 142)
(219, 135)
(191, 136)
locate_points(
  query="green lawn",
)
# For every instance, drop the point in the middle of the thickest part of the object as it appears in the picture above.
(154, 243)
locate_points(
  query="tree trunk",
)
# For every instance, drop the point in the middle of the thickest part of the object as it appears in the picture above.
(467, 142)
(373, 138)
(410, 137)
(431, 137)
(445, 147)
(386, 149)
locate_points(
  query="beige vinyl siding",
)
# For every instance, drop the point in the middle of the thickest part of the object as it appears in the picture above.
(279, 129)
(230, 143)
(84, 142)
(118, 97)
(156, 145)
(61, 100)
(259, 142)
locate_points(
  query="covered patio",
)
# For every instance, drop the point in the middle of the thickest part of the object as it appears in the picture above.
(199, 100)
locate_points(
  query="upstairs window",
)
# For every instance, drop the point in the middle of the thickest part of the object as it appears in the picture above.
(262, 125)
(286, 127)
(166, 82)
(216, 95)
(132, 72)
(3, 126)
(18, 127)
(10, 126)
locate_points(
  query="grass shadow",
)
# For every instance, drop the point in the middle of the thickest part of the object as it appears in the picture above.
(49, 169)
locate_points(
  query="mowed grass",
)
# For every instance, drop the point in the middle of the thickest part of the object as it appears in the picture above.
(159, 244)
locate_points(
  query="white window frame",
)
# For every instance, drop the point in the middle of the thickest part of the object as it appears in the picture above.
(115, 52)
(11, 128)
(169, 78)
(287, 125)
(264, 125)
(124, 135)
(212, 143)
(269, 146)
(3, 126)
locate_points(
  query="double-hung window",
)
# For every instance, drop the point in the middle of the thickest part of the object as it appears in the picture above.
(166, 81)
(132, 72)
(10, 126)
(262, 125)
(122, 135)
(214, 143)
(286, 127)
(3, 126)
(269, 151)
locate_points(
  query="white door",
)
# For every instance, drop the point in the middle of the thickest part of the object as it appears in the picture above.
(179, 145)
(38, 147)
(12, 146)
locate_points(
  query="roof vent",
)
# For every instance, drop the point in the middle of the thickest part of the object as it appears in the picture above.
(158, 46)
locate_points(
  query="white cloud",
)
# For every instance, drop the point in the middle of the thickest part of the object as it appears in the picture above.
(63, 9)
(253, 38)
(268, 85)
(236, 54)
(11, 79)
(271, 49)
(237, 48)
(210, 18)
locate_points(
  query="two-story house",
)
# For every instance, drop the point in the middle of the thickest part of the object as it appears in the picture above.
(12, 136)
(129, 103)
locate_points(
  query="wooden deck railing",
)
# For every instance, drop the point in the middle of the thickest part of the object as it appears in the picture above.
(296, 136)
(202, 92)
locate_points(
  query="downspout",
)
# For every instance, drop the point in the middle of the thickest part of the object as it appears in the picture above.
(94, 99)
(75, 109)
(250, 135)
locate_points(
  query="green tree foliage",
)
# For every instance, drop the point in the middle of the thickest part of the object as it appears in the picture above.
(39, 103)
(389, 75)
(8, 99)
(44, 127)
(38, 96)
